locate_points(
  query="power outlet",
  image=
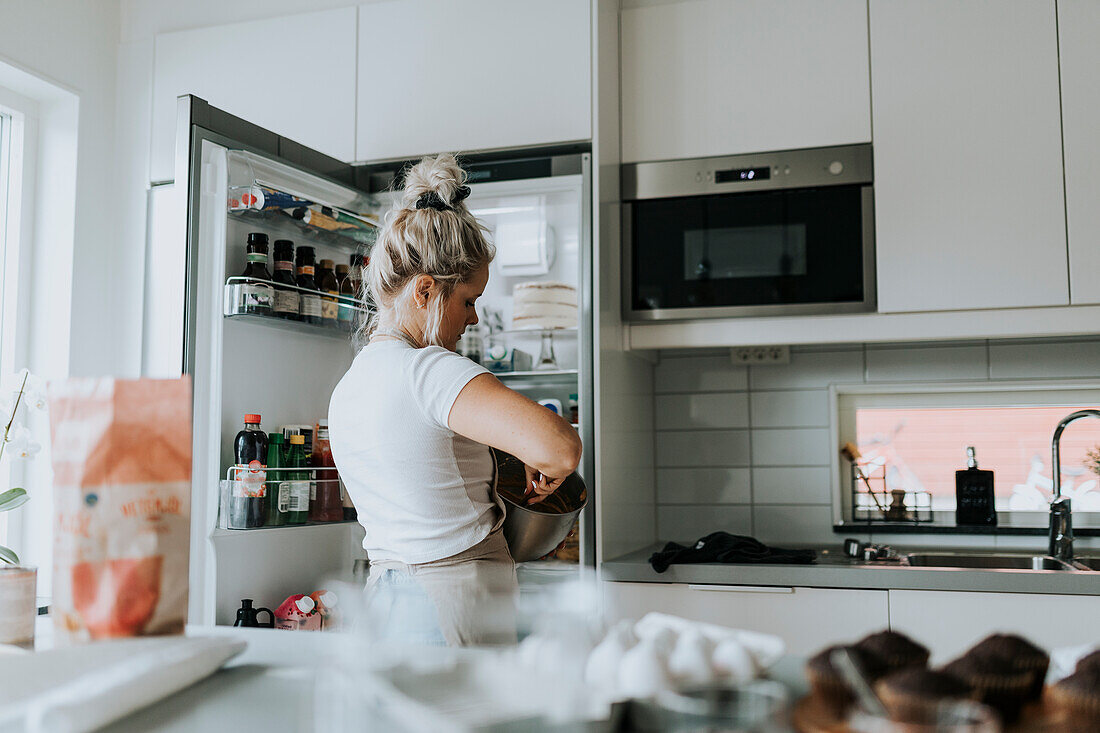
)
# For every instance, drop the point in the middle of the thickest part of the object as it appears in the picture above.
(761, 355)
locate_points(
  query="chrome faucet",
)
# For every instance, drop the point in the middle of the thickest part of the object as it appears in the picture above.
(1061, 517)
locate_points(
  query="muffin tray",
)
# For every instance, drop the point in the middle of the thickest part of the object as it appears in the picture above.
(812, 715)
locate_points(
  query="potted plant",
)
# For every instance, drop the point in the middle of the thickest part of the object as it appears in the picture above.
(18, 606)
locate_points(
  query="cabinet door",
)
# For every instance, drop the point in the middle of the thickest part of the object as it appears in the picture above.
(949, 623)
(969, 203)
(1078, 29)
(807, 619)
(294, 76)
(436, 75)
(713, 77)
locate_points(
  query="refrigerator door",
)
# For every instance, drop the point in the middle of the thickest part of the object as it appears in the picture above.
(283, 370)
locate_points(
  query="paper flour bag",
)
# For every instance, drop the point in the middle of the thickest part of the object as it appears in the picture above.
(121, 455)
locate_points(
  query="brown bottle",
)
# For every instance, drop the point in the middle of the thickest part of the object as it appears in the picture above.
(309, 305)
(256, 295)
(327, 283)
(286, 304)
(326, 504)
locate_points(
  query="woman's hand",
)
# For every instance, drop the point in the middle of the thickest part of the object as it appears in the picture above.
(539, 486)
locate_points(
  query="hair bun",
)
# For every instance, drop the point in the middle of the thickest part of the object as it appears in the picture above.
(437, 183)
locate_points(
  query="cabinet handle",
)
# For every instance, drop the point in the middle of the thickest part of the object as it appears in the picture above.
(743, 588)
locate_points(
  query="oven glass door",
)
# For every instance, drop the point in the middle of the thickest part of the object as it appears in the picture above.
(748, 253)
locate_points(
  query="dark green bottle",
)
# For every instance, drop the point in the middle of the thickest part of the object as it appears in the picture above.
(298, 499)
(278, 488)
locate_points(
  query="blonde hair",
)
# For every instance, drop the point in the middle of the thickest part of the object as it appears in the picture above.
(429, 231)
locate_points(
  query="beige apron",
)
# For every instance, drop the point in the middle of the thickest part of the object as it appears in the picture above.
(474, 592)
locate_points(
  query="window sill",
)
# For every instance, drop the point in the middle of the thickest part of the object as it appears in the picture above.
(910, 528)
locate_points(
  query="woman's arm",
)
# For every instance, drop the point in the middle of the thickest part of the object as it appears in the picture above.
(490, 413)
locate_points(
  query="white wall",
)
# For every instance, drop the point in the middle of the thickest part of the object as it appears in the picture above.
(73, 44)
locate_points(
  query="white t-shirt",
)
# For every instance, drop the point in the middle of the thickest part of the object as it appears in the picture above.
(422, 491)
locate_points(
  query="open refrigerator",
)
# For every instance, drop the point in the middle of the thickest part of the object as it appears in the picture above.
(538, 210)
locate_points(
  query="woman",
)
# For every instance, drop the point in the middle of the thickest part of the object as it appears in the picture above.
(412, 421)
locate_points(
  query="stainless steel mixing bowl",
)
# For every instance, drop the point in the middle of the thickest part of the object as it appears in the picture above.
(531, 533)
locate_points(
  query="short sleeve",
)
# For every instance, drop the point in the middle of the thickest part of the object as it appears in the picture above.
(437, 376)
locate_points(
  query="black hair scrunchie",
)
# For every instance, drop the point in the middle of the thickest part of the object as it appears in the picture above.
(432, 200)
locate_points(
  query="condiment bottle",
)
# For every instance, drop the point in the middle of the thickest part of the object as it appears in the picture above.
(574, 410)
(256, 295)
(298, 499)
(277, 500)
(326, 283)
(326, 504)
(309, 304)
(346, 317)
(246, 505)
(286, 303)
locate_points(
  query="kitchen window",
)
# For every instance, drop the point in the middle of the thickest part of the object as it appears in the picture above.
(6, 309)
(914, 438)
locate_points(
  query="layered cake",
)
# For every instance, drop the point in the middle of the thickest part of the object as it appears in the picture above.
(544, 305)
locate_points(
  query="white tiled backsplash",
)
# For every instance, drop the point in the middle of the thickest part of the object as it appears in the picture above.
(747, 449)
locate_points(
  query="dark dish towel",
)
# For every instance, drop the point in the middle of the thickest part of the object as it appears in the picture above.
(726, 547)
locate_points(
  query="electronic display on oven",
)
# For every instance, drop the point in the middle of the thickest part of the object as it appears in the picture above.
(743, 174)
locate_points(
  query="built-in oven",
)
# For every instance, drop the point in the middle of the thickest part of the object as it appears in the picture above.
(781, 233)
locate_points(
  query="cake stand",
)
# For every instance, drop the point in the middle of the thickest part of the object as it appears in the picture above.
(546, 361)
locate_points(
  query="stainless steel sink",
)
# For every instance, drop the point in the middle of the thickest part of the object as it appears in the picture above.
(989, 562)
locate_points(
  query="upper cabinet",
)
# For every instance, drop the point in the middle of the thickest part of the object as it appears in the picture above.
(436, 75)
(1078, 28)
(713, 77)
(969, 203)
(293, 75)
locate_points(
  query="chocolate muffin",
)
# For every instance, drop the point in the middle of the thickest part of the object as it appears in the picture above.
(828, 685)
(1075, 701)
(895, 651)
(1089, 663)
(997, 686)
(912, 695)
(1009, 651)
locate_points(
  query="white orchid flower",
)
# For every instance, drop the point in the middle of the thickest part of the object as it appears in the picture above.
(21, 443)
(34, 390)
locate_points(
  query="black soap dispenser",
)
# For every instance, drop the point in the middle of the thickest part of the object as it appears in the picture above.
(974, 495)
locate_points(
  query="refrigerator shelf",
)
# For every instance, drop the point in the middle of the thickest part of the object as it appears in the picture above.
(223, 532)
(285, 325)
(558, 376)
(537, 332)
(284, 226)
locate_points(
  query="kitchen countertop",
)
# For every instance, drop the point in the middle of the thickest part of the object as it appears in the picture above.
(834, 570)
(259, 690)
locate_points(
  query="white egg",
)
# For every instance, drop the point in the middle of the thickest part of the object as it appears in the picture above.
(643, 671)
(690, 661)
(602, 668)
(732, 659)
(665, 641)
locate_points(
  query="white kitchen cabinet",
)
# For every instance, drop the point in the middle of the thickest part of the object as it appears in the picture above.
(949, 623)
(436, 75)
(293, 75)
(713, 77)
(969, 203)
(1078, 29)
(807, 619)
